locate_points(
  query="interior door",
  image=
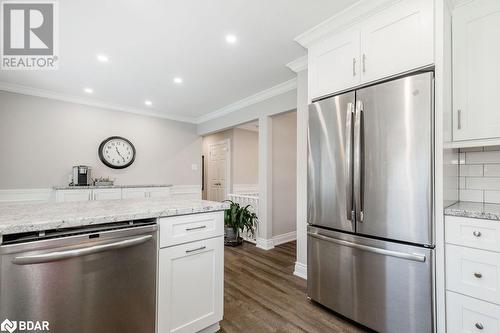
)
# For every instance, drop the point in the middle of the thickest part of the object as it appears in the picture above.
(329, 162)
(217, 171)
(393, 131)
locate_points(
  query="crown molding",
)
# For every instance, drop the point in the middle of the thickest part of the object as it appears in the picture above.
(253, 99)
(342, 20)
(25, 90)
(298, 65)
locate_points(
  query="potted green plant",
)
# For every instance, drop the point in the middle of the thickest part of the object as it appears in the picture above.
(238, 219)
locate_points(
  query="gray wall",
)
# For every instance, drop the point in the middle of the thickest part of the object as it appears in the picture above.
(284, 165)
(41, 139)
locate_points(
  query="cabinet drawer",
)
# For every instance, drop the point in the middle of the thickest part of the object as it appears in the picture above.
(473, 272)
(467, 315)
(480, 234)
(189, 228)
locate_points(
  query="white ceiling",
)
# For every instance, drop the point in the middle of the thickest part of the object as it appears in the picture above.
(149, 42)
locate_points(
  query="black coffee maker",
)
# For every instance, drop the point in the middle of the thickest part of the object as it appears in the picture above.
(82, 175)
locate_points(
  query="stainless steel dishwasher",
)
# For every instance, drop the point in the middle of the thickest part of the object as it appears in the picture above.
(86, 280)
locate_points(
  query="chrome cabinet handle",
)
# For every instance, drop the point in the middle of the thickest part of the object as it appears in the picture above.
(61, 255)
(198, 249)
(459, 119)
(348, 154)
(196, 228)
(403, 255)
(364, 63)
(477, 233)
(353, 66)
(478, 275)
(358, 164)
(479, 326)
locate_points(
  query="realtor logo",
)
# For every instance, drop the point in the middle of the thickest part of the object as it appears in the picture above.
(29, 35)
(8, 326)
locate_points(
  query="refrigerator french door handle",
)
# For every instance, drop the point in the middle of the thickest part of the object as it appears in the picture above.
(358, 161)
(348, 152)
(396, 254)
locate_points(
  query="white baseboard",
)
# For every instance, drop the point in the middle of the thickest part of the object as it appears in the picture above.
(284, 238)
(265, 244)
(268, 244)
(300, 270)
(26, 195)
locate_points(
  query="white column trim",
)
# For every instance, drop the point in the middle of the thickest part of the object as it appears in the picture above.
(265, 229)
(300, 270)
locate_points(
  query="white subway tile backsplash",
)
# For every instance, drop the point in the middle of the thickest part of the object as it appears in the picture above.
(492, 170)
(479, 174)
(492, 197)
(471, 195)
(474, 170)
(485, 157)
(479, 183)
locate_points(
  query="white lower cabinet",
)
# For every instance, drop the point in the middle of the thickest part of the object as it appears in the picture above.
(73, 195)
(191, 286)
(135, 193)
(107, 194)
(470, 315)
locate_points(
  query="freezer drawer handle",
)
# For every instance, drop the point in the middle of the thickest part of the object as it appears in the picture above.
(61, 255)
(396, 254)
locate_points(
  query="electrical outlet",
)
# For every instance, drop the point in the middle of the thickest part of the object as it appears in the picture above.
(194, 167)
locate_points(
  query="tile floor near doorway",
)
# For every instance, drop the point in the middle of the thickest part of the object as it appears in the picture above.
(262, 295)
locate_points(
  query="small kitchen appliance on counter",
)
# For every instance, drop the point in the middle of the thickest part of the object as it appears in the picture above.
(82, 175)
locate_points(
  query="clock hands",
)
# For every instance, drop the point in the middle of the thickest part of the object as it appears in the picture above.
(120, 154)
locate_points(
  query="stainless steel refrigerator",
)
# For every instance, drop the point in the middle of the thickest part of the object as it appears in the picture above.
(370, 204)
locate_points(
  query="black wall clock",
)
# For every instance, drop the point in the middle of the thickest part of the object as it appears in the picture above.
(117, 152)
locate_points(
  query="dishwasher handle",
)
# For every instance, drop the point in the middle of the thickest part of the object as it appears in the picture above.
(61, 255)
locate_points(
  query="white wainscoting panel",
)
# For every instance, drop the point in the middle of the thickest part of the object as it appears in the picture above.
(245, 188)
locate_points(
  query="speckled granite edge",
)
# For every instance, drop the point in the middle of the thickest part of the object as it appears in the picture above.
(45, 216)
(67, 187)
(476, 210)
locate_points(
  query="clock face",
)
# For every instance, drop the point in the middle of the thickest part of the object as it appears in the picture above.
(117, 152)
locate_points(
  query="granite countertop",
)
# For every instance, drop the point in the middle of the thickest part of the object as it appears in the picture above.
(69, 187)
(475, 210)
(16, 218)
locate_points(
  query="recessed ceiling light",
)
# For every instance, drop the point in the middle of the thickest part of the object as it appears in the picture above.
(178, 80)
(102, 58)
(148, 102)
(231, 39)
(88, 90)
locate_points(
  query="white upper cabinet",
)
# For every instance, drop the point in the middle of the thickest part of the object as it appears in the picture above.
(391, 40)
(334, 64)
(476, 70)
(397, 40)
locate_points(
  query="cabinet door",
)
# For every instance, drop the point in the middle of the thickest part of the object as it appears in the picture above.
(476, 70)
(398, 39)
(466, 315)
(135, 193)
(334, 64)
(107, 194)
(159, 192)
(73, 195)
(191, 286)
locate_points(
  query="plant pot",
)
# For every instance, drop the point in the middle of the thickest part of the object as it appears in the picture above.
(231, 237)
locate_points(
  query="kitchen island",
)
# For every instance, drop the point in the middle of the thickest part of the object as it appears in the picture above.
(184, 265)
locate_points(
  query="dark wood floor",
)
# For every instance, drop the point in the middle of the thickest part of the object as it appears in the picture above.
(262, 295)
